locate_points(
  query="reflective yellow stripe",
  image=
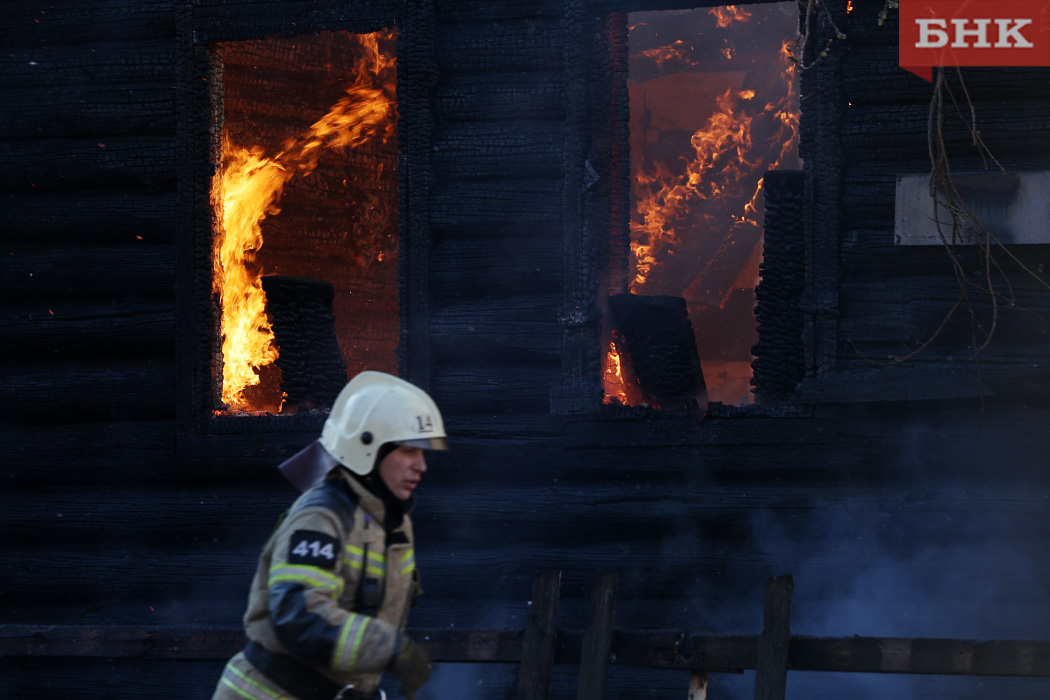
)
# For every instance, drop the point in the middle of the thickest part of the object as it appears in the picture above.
(357, 641)
(238, 690)
(408, 562)
(250, 682)
(340, 648)
(356, 560)
(353, 628)
(303, 573)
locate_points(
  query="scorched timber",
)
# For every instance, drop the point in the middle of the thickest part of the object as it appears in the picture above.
(84, 21)
(483, 47)
(100, 218)
(498, 151)
(872, 75)
(490, 207)
(88, 331)
(487, 11)
(129, 64)
(503, 96)
(97, 112)
(892, 132)
(88, 390)
(128, 163)
(667, 650)
(103, 272)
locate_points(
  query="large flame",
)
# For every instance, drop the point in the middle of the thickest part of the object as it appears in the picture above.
(246, 189)
(696, 221)
(728, 14)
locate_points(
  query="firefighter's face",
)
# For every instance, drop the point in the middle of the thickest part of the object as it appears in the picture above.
(402, 469)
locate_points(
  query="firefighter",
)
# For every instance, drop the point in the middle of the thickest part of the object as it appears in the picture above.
(327, 608)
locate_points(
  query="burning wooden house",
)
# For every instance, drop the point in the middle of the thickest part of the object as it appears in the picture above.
(663, 266)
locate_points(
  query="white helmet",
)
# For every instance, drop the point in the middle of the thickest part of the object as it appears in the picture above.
(376, 409)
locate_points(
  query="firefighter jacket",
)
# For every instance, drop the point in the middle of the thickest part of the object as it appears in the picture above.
(333, 589)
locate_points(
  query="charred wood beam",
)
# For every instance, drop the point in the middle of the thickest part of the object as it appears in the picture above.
(485, 10)
(235, 19)
(241, 514)
(130, 62)
(500, 97)
(97, 112)
(46, 219)
(65, 331)
(498, 151)
(131, 163)
(540, 637)
(485, 47)
(104, 272)
(519, 329)
(473, 267)
(872, 75)
(496, 387)
(28, 24)
(899, 131)
(490, 207)
(85, 390)
(663, 650)
(643, 5)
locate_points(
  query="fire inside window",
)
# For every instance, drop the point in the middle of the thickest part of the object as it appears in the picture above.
(713, 106)
(305, 198)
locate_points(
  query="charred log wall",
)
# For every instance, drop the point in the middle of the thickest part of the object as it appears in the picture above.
(894, 298)
(111, 517)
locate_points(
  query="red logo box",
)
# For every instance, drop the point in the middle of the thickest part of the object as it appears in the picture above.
(973, 33)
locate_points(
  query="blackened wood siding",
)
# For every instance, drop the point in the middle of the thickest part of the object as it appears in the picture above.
(912, 518)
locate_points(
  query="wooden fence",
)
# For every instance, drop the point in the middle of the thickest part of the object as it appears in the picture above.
(541, 645)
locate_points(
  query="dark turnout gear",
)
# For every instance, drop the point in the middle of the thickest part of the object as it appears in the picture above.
(412, 667)
(330, 597)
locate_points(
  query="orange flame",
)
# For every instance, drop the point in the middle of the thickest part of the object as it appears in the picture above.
(246, 190)
(620, 384)
(724, 160)
(697, 218)
(729, 14)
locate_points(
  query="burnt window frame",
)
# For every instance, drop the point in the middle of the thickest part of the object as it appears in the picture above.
(810, 329)
(199, 27)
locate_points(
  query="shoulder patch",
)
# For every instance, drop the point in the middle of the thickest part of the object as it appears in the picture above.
(334, 495)
(313, 548)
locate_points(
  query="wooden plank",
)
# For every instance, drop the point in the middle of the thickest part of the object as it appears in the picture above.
(88, 331)
(772, 661)
(537, 647)
(597, 640)
(476, 10)
(697, 686)
(517, 44)
(77, 220)
(88, 390)
(131, 271)
(131, 61)
(94, 111)
(505, 150)
(229, 20)
(1003, 657)
(131, 163)
(100, 22)
(500, 96)
(492, 206)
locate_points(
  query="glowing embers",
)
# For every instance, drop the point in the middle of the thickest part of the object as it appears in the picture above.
(713, 106)
(306, 189)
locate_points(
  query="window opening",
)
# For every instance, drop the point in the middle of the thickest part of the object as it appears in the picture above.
(713, 106)
(305, 201)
